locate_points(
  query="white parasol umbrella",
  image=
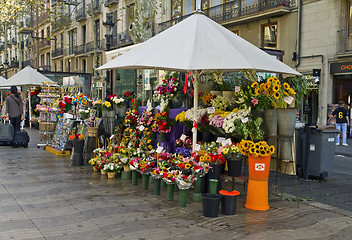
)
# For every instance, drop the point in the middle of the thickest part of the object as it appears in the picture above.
(195, 45)
(26, 77)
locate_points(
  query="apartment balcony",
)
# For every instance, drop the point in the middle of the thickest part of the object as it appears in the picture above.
(96, 7)
(80, 49)
(60, 23)
(58, 52)
(43, 18)
(90, 46)
(234, 12)
(344, 42)
(44, 43)
(109, 3)
(69, 51)
(81, 14)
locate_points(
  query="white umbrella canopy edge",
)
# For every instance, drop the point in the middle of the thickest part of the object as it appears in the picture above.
(198, 44)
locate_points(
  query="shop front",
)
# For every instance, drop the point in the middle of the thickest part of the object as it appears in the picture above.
(342, 82)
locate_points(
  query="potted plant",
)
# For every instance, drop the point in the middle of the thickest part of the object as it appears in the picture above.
(111, 169)
(233, 158)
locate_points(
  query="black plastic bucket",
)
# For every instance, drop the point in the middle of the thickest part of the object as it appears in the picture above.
(211, 203)
(229, 202)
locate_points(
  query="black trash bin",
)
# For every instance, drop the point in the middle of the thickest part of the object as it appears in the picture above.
(321, 151)
(211, 203)
(228, 202)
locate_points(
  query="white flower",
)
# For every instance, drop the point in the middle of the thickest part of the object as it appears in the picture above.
(149, 106)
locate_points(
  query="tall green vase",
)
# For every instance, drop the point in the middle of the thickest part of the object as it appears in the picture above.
(183, 197)
(134, 178)
(197, 195)
(170, 192)
(145, 181)
(157, 183)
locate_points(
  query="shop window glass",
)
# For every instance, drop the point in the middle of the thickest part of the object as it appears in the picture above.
(269, 35)
(176, 8)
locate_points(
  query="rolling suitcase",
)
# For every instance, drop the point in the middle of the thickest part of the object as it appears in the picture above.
(6, 133)
(21, 139)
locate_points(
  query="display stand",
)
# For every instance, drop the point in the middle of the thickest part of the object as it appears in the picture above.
(278, 161)
(60, 138)
(50, 93)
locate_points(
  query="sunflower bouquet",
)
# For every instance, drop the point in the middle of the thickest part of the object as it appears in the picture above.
(279, 94)
(259, 149)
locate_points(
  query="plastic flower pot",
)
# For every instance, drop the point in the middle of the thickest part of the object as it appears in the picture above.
(176, 189)
(145, 181)
(151, 180)
(211, 203)
(134, 178)
(157, 183)
(111, 175)
(163, 184)
(197, 196)
(163, 137)
(258, 168)
(213, 186)
(234, 165)
(228, 202)
(77, 157)
(183, 197)
(102, 172)
(170, 192)
(126, 175)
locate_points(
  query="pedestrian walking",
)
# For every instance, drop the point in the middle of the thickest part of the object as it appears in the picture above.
(342, 121)
(14, 108)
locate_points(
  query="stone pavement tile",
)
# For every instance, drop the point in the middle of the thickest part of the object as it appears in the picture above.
(17, 224)
(54, 211)
(321, 229)
(87, 234)
(23, 233)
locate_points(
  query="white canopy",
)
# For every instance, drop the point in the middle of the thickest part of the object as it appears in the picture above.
(3, 81)
(26, 77)
(198, 43)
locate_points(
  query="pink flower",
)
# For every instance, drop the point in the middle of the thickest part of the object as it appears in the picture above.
(254, 101)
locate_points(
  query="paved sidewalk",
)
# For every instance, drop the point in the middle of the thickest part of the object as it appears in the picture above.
(43, 197)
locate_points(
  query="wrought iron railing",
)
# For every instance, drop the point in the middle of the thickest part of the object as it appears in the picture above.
(232, 10)
(57, 52)
(90, 46)
(60, 22)
(80, 49)
(81, 14)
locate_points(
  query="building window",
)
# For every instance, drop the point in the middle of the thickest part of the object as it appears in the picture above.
(269, 35)
(176, 8)
(129, 15)
(97, 30)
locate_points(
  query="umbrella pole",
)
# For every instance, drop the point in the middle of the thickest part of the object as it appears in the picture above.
(195, 75)
(29, 108)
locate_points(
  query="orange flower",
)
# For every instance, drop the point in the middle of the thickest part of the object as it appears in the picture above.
(71, 137)
(164, 114)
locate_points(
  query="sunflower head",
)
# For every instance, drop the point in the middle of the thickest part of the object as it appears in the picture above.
(276, 95)
(291, 91)
(266, 86)
(276, 88)
(257, 91)
(286, 86)
(254, 85)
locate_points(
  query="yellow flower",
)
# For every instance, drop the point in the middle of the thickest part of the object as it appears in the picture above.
(257, 91)
(201, 158)
(187, 165)
(276, 88)
(266, 86)
(286, 93)
(276, 95)
(254, 85)
(225, 150)
(150, 147)
(262, 85)
(291, 91)
(286, 86)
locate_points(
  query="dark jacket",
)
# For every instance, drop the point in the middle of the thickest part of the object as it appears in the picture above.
(14, 106)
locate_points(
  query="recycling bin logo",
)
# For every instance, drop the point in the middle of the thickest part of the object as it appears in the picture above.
(260, 167)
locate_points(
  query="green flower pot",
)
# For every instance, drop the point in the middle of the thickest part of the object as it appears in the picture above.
(134, 178)
(213, 185)
(163, 184)
(145, 181)
(126, 175)
(197, 195)
(157, 183)
(183, 197)
(170, 192)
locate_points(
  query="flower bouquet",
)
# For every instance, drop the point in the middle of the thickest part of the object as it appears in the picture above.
(78, 137)
(116, 100)
(106, 105)
(167, 90)
(259, 149)
(129, 96)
